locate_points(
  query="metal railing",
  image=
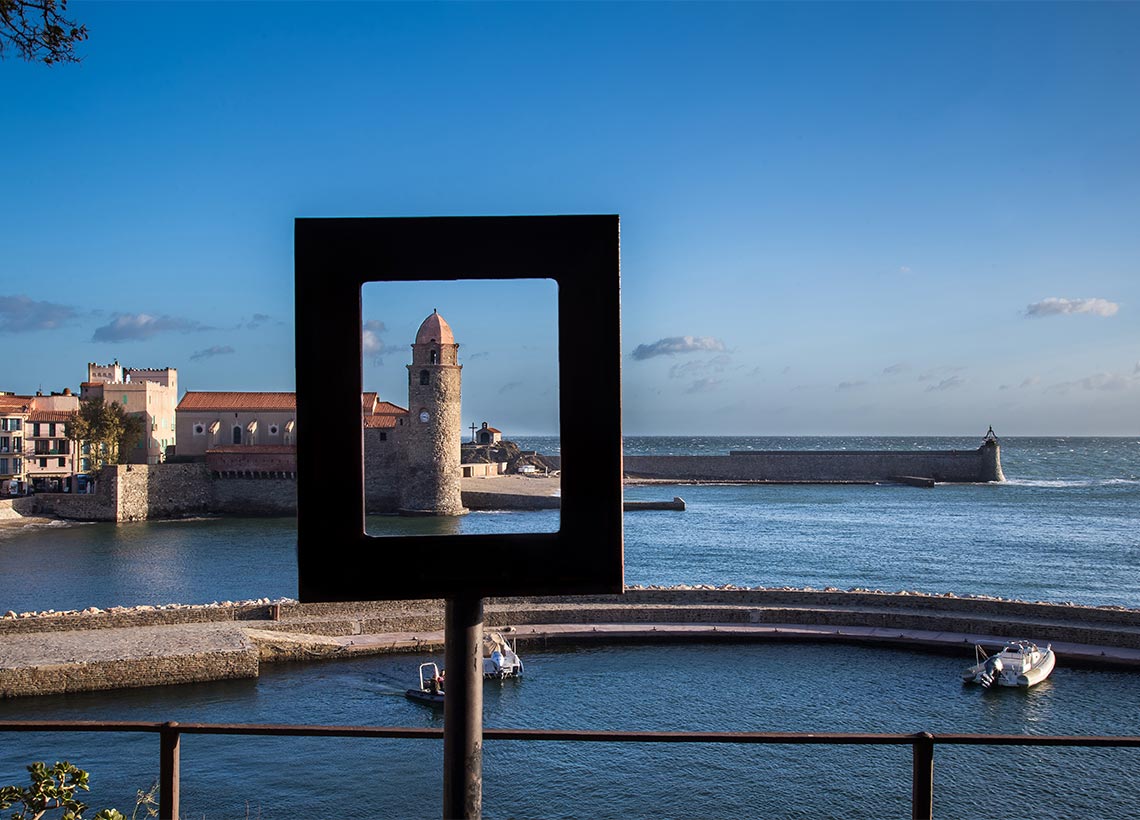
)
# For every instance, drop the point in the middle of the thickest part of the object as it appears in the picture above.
(921, 743)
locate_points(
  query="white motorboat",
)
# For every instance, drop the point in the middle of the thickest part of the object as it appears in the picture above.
(431, 686)
(499, 658)
(1019, 663)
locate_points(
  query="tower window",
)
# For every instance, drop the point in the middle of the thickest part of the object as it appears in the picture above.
(424, 375)
(433, 357)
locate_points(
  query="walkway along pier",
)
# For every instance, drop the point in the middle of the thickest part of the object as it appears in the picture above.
(148, 646)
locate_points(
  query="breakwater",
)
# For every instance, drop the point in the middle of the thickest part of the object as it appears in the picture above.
(824, 466)
(43, 653)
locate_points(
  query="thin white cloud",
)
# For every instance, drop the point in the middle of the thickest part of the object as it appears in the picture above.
(257, 321)
(126, 327)
(702, 385)
(1057, 306)
(1030, 381)
(20, 314)
(844, 386)
(210, 352)
(1098, 381)
(371, 345)
(700, 368)
(946, 384)
(896, 369)
(672, 345)
(940, 372)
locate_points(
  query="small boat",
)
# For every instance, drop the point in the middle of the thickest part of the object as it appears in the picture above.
(1019, 663)
(431, 686)
(499, 658)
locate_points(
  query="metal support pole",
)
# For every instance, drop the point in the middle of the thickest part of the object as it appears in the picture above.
(463, 710)
(168, 777)
(922, 786)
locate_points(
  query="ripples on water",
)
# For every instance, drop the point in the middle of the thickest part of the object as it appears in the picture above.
(734, 687)
(1063, 528)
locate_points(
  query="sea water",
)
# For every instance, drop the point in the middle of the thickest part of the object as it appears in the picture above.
(1065, 526)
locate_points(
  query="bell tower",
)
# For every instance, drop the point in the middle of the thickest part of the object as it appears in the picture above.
(431, 445)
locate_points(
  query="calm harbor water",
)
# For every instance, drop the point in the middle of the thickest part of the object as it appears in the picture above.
(1066, 526)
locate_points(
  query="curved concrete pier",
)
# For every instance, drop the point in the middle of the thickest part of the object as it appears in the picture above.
(71, 652)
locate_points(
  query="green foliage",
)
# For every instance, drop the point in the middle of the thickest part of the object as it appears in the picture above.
(108, 428)
(38, 31)
(52, 789)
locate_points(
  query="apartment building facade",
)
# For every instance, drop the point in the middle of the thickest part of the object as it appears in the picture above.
(149, 392)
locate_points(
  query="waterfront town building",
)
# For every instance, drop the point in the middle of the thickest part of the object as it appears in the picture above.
(149, 392)
(13, 419)
(50, 457)
(35, 451)
(411, 455)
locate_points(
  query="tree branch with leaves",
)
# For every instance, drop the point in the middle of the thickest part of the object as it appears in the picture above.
(39, 32)
(108, 429)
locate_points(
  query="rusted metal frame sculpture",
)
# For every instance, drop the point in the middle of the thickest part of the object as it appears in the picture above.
(333, 259)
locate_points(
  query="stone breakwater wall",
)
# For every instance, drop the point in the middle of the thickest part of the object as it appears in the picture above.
(817, 466)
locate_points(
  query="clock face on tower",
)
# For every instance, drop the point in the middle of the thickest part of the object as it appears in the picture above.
(424, 416)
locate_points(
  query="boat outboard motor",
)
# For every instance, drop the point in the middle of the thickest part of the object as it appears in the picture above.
(990, 671)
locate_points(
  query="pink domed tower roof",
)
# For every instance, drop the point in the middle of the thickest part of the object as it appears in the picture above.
(435, 330)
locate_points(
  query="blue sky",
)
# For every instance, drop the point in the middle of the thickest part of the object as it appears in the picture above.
(836, 219)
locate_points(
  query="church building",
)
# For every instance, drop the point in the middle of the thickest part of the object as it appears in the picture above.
(411, 455)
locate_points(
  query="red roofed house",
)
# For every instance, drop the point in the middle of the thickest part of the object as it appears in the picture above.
(239, 432)
(256, 432)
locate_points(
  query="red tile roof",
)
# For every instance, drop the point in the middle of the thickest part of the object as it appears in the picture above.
(379, 422)
(14, 404)
(49, 415)
(206, 401)
(387, 408)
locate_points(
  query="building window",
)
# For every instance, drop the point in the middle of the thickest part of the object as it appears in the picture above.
(423, 377)
(43, 462)
(383, 436)
(273, 429)
(36, 428)
(433, 357)
(199, 429)
(5, 443)
(17, 465)
(124, 400)
(4, 466)
(63, 462)
(51, 429)
(237, 434)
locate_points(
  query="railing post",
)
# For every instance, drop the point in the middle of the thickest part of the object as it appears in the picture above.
(922, 785)
(168, 785)
(463, 709)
